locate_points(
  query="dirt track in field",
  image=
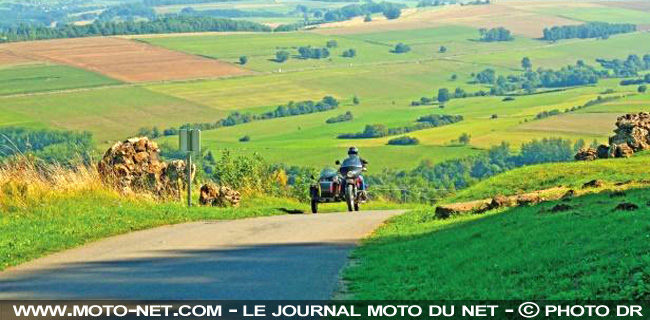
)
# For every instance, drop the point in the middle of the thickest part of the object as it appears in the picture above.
(123, 59)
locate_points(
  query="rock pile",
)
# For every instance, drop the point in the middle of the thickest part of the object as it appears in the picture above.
(212, 195)
(632, 134)
(134, 165)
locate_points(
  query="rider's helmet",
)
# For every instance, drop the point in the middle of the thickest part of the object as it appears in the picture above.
(353, 151)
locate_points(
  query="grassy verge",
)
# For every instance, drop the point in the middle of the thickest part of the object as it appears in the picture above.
(571, 174)
(42, 213)
(588, 252)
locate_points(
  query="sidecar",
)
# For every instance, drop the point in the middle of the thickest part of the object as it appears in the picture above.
(327, 188)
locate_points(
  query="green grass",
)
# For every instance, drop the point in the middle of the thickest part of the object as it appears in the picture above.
(570, 174)
(110, 114)
(588, 252)
(69, 219)
(38, 78)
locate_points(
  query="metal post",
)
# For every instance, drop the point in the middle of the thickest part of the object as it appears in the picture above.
(189, 179)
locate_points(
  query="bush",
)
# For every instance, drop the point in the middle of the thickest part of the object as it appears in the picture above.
(642, 88)
(350, 53)
(243, 60)
(245, 139)
(401, 48)
(403, 141)
(282, 56)
(332, 44)
(341, 118)
(392, 13)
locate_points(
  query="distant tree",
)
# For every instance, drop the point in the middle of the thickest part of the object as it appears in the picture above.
(318, 14)
(392, 13)
(403, 141)
(494, 116)
(443, 95)
(588, 30)
(594, 144)
(401, 48)
(646, 78)
(442, 49)
(243, 60)
(464, 138)
(144, 132)
(155, 132)
(495, 34)
(529, 87)
(245, 139)
(526, 63)
(579, 145)
(282, 56)
(642, 88)
(332, 44)
(454, 77)
(350, 53)
(356, 100)
(367, 18)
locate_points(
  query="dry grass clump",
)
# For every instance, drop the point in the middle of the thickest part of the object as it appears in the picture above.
(25, 182)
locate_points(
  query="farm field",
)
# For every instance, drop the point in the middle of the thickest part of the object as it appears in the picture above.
(122, 59)
(32, 78)
(168, 86)
(110, 114)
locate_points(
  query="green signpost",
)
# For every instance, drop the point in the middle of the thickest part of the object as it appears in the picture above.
(189, 141)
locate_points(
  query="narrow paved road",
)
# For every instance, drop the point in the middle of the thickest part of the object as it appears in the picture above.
(280, 257)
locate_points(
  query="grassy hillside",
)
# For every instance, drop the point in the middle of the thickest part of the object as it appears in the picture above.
(572, 175)
(587, 251)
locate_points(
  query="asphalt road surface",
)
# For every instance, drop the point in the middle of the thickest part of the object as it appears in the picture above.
(281, 257)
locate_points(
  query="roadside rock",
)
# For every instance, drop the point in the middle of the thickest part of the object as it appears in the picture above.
(561, 208)
(219, 196)
(632, 134)
(593, 184)
(626, 206)
(602, 151)
(586, 154)
(134, 165)
(569, 195)
(632, 130)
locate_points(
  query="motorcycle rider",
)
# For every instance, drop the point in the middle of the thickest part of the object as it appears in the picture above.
(354, 152)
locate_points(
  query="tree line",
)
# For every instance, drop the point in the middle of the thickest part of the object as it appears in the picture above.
(381, 130)
(434, 181)
(587, 30)
(178, 24)
(341, 118)
(236, 118)
(495, 34)
(49, 145)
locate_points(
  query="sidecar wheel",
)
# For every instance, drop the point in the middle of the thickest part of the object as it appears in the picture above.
(314, 206)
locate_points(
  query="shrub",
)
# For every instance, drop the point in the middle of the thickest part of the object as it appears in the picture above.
(401, 48)
(282, 56)
(243, 60)
(245, 139)
(403, 141)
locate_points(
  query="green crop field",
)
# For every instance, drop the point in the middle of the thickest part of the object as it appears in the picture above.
(37, 78)
(110, 114)
(385, 82)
